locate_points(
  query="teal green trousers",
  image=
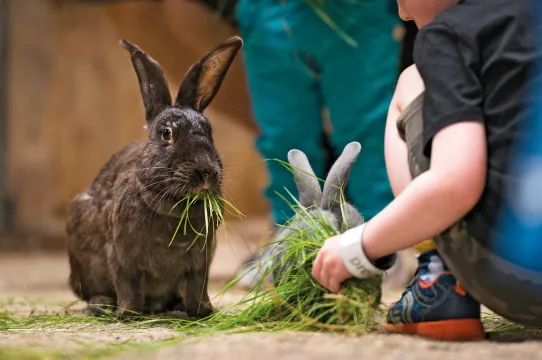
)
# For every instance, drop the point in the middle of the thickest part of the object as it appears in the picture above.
(297, 65)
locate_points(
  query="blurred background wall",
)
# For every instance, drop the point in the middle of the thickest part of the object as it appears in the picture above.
(69, 99)
(72, 99)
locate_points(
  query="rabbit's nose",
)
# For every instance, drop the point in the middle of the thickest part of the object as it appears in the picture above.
(205, 174)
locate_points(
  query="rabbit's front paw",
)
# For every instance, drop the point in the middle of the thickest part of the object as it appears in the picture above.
(127, 314)
(101, 305)
(204, 310)
(176, 315)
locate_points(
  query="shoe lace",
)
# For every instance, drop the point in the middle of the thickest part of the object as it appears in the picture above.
(411, 283)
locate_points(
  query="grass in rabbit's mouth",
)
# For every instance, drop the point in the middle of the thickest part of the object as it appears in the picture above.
(215, 208)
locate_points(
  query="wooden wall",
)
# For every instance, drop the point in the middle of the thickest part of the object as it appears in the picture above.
(74, 99)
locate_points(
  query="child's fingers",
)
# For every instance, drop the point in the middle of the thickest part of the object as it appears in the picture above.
(317, 267)
(326, 279)
(334, 285)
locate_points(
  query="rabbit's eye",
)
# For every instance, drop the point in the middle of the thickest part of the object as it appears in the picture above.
(166, 134)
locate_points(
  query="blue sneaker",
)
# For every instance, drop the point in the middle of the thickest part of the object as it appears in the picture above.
(435, 305)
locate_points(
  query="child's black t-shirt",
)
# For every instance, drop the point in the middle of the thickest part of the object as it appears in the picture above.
(475, 59)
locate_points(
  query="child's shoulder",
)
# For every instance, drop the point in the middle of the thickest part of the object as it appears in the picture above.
(474, 22)
(409, 86)
(409, 76)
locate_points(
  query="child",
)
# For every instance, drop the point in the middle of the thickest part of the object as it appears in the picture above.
(447, 150)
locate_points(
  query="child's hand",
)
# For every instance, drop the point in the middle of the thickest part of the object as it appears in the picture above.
(342, 257)
(329, 269)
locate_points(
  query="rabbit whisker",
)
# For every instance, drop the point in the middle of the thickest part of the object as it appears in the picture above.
(159, 194)
(152, 168)
(170, 191)
(156, 184)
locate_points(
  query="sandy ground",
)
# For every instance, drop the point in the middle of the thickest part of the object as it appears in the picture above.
(37, 283)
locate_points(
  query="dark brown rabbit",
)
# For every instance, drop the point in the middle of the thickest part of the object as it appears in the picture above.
(119, 230)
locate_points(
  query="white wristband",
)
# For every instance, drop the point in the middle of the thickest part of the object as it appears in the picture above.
(354, 257)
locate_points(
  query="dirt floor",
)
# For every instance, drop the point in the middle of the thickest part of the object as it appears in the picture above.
(36, 284)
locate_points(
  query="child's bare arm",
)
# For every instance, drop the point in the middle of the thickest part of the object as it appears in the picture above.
(395, 150)
(409, 86)
(436, 199)
(430, 204)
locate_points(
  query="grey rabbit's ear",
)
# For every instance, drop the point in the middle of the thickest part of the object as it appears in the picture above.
(307, 184)
(205, 77)
(152, 82)
(338, 177)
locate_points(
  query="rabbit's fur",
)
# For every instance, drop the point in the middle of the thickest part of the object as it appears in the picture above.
(119, 229)
(328, 204)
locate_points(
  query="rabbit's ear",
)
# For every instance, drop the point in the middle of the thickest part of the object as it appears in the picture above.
(307, 184)
(338, 177)
(152, 82)
(205, 77)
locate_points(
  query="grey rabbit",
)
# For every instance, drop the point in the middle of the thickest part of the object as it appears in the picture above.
(328, 204)
(119, 230)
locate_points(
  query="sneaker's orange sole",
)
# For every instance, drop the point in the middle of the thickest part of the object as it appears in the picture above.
(452, 330)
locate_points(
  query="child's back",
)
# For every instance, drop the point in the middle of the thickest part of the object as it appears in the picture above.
(475, 59)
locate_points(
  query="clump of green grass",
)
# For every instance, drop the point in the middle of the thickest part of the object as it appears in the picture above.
(215, 210)
(295, 301)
